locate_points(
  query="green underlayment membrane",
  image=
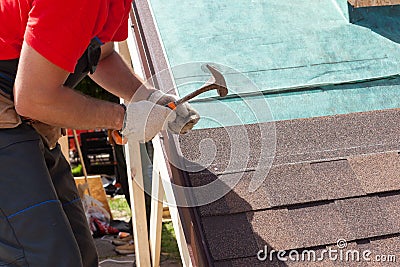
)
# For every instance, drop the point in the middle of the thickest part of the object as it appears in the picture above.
(299, 58)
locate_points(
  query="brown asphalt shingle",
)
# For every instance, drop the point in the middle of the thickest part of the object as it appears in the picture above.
(291, 184)
(368, 253)
(391, 206)
(316, 225)
(230, 240)
(357, 254)
(309, 140)
(387, 247)
(377, 172)
(253, 262)
(295, 183)
(337, 136)
(274, 228)
(239, 199)
(237, 148)
(365, 217)
(338, 178)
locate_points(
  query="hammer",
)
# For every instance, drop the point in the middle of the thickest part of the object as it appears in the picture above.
(216, 81)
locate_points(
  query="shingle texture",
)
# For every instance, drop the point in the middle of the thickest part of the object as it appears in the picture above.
(331, 178)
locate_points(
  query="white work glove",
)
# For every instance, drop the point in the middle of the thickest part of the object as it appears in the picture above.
(186, 115)
(144, 119)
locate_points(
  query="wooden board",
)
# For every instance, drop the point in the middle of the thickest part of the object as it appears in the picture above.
(134, 169)
(365, 3)
(165, 174)
(63, 141)
(156, 215)
(139, 220)
(96, 190)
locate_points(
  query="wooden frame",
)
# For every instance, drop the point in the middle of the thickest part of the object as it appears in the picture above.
(145, 257)
(193, 248)
(366, 3)
(157, 192)
(136, 187)
(161, 185)
(190, 242)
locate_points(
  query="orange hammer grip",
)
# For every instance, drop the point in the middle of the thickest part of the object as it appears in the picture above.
(118, 138)
(171, 105)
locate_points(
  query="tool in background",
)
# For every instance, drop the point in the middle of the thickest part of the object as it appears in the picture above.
(216, 81)
(78, 147)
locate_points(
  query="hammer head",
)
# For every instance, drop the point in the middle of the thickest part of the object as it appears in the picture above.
(217, 81)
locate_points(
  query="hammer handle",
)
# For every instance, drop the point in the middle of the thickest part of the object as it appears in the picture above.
(173, 105)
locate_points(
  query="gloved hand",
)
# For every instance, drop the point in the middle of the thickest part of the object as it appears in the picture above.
(144, 119)
(186, 115)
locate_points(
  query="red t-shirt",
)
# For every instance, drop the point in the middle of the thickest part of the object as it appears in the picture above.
(60, 30)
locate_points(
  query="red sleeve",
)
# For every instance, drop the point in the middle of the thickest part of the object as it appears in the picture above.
(61, 30)
(116, 26)
(122, 33)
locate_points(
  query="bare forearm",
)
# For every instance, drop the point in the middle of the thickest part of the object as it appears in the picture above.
(71, 109)
(123, 83)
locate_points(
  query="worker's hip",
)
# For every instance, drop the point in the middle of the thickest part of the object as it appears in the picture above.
(21, 133)
(9, 118)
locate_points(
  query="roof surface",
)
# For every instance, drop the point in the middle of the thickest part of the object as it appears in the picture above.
(332, 178)
(326, 50)
(277, 44)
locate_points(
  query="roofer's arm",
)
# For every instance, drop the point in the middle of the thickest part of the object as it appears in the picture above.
(39, 94)
(115, 76)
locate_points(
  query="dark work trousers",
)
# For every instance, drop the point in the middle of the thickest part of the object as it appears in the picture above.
(42, 221)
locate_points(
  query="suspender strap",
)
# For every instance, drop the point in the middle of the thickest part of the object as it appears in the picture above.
(8, 71)
(87, 63)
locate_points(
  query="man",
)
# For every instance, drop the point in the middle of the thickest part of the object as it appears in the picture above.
(42, 42)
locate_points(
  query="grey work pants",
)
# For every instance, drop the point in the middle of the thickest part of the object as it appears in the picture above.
(42, 222)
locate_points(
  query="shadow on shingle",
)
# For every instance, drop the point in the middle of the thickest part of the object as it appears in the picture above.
(227, 226)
